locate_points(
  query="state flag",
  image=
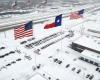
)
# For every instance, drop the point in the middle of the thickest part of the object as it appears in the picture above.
(58, 22)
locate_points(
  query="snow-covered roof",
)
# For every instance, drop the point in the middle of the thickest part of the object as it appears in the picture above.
(92, 55)
(89, 42)
(37, 77)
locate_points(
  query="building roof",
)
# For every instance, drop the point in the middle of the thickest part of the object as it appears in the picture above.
(91, 55)
(37, 77)
(89, 42)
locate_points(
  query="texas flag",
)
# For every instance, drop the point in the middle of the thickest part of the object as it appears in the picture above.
(58, 21)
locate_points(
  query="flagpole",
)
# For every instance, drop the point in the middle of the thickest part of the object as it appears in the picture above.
(1, 38)
(4, 34)
(5, 38)
(35, 55)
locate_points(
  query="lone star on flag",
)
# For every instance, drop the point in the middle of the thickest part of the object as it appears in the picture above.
(58, 21)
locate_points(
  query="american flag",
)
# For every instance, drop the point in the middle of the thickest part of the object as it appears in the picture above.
(24, 30)
(77, 14)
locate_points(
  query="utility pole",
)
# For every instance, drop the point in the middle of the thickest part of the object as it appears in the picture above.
(14, 4)
(43, 3)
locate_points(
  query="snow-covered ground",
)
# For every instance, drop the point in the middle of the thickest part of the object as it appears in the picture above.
(26, 68)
